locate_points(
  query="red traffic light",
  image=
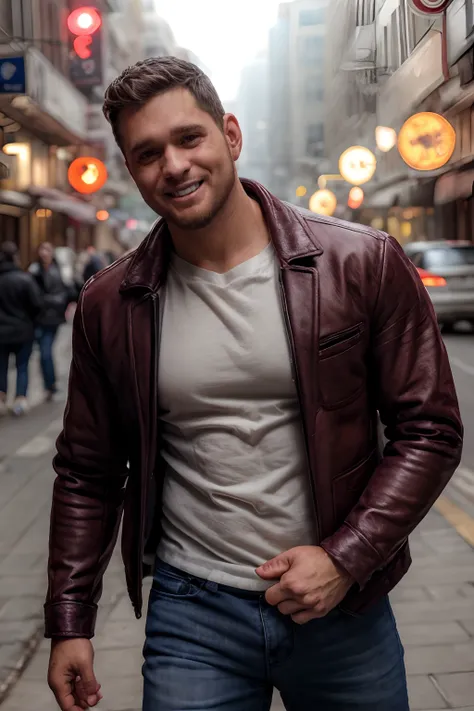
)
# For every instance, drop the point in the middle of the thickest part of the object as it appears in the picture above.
(84, 21)
(82, 46)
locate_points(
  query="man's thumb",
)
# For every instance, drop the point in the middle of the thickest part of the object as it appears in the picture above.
(274, 568)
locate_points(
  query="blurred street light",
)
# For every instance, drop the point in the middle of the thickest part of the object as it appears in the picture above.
(102, 215)
(323, 202)
(426, 141)
(301, 191)
(356, 198)
(385, 138)
(357, 165)
(87, 174)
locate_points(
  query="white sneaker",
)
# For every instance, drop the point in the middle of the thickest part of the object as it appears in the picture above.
(20, 407)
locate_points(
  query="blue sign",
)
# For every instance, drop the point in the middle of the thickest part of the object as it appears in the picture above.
(12, 75)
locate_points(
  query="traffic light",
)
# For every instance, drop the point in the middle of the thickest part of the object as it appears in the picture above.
(85, 27)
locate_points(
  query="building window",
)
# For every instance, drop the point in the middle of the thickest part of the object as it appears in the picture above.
(22, 19)
(315, 140)
(312, 49)
(309, 18)
(313, 89)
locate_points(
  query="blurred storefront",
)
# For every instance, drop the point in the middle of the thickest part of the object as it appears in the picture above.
(411, 63)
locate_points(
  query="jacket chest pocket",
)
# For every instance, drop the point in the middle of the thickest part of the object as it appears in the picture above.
(342, 367)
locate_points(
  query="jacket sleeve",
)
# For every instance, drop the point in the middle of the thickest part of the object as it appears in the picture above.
(34, 298)
(410, 377)
(91, 468)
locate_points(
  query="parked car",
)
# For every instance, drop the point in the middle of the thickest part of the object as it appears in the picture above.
(447, 271)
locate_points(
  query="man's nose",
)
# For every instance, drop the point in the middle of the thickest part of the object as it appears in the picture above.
(176, 164)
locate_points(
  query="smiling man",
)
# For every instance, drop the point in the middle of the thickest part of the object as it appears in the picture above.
(224, 393)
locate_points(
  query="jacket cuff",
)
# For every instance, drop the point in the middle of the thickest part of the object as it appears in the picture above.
(69, 619)
(354, 553)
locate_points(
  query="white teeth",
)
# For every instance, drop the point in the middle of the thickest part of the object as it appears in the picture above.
(187, 191)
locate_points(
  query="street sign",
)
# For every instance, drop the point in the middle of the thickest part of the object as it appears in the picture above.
(12, 75)
(428, 7)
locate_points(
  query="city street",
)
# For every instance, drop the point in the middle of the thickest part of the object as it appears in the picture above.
(434, 606)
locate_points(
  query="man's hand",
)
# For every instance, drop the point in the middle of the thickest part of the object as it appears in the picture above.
(71, 674)
(310, 583)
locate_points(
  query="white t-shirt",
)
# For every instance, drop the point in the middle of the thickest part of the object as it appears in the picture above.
(236, 491)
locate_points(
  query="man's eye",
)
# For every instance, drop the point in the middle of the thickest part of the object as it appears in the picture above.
(192, 138)
(147, 156)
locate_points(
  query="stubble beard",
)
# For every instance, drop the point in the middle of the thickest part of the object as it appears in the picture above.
(204, 220)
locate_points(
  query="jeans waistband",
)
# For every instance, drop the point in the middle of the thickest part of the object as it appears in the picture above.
(210, 584)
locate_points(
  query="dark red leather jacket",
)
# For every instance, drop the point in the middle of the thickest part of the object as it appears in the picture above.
(365, 341)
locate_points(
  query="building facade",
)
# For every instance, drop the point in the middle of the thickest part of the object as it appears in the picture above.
(296, 79)
(44, 121)
(396, 63)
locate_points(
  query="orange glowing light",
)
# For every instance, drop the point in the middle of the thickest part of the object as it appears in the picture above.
(102, 215)
(426, 141)
(356, 198)
(87, 175)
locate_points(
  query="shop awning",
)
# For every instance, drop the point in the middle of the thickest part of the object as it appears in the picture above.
(56, 200)
(397, 192)
(15, 198)
(454, 186)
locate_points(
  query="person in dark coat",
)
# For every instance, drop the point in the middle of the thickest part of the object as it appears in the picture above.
(56, 296)
(20, 305)
(95, 264)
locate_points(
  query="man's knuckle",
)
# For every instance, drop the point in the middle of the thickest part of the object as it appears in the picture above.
(295, 587)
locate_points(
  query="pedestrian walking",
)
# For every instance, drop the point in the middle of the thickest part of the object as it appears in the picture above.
(224, 393)
(56, 298)
(94, 265)
(20, 304)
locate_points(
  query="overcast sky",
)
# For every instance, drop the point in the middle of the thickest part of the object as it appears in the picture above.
(224, 38)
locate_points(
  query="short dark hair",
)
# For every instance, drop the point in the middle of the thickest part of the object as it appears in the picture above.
(150, 77)
(8, 251)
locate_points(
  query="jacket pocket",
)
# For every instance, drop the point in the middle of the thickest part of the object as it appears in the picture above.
(340, 341)
(342, 367)
(347, 488)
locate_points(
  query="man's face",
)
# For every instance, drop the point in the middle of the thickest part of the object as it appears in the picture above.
(182, 162)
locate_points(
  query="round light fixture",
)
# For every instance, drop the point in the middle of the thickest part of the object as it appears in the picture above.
(357, 165)
(426, 141)
(87, 175)
(385, 138)
(323, 202)
(356, 198)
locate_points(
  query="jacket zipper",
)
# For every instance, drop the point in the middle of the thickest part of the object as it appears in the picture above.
(294, 367)
(149, 463)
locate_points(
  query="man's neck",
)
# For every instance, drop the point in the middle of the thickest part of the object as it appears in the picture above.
(237, 234)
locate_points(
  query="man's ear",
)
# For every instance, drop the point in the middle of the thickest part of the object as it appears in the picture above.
(233, 135)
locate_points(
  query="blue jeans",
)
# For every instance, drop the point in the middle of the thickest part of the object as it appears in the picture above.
(22, 354)
(214, 648)
(46, 335)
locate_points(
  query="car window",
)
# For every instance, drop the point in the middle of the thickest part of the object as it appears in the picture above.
(447, 257)
(416, 258)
